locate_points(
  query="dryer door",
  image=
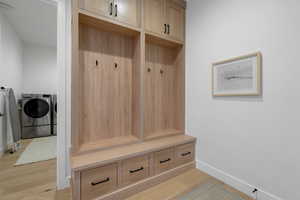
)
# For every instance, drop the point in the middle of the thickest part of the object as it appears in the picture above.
(36, 112)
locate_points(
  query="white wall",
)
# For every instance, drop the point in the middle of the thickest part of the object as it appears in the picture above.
(10, 65)
(10, 57)
(40, 73)
(250, 140)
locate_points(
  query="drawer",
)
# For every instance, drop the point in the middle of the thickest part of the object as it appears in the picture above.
(184, 153)
(98, 181)
(163, 160)
(135, 169)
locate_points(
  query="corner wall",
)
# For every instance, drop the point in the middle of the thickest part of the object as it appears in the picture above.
(247, 141)
(11, 66)
(11, 57)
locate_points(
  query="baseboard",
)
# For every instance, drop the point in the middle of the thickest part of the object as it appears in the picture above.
(1, 151)
(234, 182)
(63, 183)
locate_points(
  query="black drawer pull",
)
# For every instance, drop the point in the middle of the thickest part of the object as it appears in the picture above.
(97, 183)
(185, 154)
(111, 9)
(164, 161)
(116, 13)
(136, 170)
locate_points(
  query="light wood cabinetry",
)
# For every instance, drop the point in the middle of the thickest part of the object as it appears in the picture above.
(99, 7)
(107, 64)
(154, 15)
(175, 17)
(184, 153)
(163, 160)
(126, 170)
(165, 18)
(128, 116)
(98, 181)
(126, 11)
(163, 93)
(134, 170)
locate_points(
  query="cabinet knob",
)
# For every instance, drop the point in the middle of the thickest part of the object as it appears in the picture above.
(149, 69)
(161, 71)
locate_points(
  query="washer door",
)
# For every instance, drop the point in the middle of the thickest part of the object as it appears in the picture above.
(36, 108)
(36, 112)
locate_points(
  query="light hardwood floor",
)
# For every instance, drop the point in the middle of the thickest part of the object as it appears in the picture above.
(28, 182)
(37, 182)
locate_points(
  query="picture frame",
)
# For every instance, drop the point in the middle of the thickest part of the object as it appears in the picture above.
(239, 76)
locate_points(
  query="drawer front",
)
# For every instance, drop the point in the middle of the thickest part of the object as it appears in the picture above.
(163, 160)
(98, 181)
(135, 169)
(185, 153)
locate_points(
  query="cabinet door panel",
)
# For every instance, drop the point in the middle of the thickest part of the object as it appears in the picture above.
(176, 20)
(128, 11)
(154, 16)
(99, 7)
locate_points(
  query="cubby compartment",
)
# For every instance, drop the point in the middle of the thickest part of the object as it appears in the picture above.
(108, 85)
(163, 88)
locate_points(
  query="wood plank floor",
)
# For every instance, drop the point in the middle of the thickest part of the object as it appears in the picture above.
(37, 182)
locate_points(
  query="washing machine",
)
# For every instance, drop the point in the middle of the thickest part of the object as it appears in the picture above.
(54, 114)
(36, 115)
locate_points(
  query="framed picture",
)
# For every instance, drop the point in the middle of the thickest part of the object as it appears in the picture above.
(240, 76)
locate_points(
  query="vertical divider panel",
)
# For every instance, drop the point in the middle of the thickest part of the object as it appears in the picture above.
(75, 80)
(137, 89)
(141, 74)
(180, 85)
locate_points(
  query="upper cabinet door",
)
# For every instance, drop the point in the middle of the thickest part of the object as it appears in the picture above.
(154, 11)
(175, 15)
(128, 11)
(99, 7)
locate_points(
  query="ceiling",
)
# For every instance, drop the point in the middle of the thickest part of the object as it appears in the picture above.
(33, 20)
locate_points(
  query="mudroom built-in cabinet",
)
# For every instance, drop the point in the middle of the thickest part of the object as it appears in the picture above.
(128, 92)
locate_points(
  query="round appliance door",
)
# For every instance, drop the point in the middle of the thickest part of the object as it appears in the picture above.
(36, 108)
